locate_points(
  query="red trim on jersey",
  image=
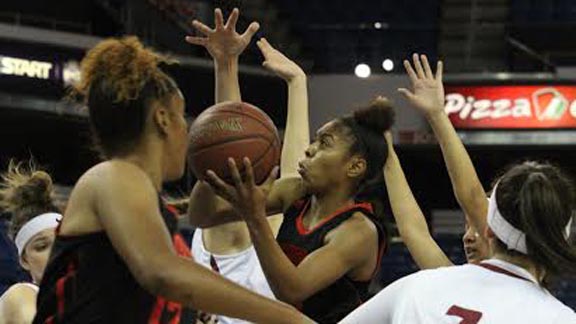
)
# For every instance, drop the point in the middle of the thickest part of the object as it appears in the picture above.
(60, 289)
(302, 230)
(295, 253)
(494, 268)
(173, 210)
(180, 246)
(381, 250)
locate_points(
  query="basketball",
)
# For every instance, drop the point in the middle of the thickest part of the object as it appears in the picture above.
(236, 130)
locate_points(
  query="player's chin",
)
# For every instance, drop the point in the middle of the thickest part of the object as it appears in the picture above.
(473, 258)
(174, 173)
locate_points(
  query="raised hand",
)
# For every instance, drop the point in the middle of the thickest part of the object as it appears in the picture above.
(278, 63)
(427, 93)
(246, 197)
(223, 42)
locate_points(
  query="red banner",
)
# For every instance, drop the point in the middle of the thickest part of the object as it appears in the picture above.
(504, 107)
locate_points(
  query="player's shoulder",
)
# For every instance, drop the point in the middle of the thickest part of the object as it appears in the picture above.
(439, 276)
(358, 223)
(565, 315)
(18, 294)
(114, 171)
(559, 312)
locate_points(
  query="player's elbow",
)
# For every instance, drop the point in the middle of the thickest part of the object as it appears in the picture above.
(291, 294)
(197, 220)
(469, 194)
(153, 277)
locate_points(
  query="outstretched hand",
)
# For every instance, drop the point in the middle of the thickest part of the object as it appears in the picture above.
(223, 42)
(427, 93)
(278, 63)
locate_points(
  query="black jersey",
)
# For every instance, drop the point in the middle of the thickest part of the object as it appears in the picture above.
(344, 295)
(86, 281)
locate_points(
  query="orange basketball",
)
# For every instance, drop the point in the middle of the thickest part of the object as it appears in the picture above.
(236, 130)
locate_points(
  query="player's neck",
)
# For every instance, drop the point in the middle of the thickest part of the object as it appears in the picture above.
(523, 262)
(322, 206)
(145, 157)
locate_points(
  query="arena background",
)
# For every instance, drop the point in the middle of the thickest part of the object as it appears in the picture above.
(515, 51)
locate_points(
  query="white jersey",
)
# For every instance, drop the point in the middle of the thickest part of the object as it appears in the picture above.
(242, 268)
(492, 292)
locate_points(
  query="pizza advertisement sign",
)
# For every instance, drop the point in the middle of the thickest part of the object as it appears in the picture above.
(512, 106)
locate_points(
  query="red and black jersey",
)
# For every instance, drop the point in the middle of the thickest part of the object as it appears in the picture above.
(86, 281)
(344, 295)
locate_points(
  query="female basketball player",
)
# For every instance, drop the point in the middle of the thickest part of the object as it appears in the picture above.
(428, 97)
(328, 246)
(113, 259)
(529, 218)
(227, 248)
(26, 194)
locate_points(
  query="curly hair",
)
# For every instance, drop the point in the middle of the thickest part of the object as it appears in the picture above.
(120, 79)
(25, 192)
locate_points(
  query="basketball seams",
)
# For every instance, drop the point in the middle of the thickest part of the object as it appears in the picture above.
(255, 163)
(233, 139)
(242, 113)
(261, 157)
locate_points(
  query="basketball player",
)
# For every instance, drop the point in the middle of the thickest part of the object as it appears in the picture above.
(114, 260)
(227, 248)
(26, 194)
(329, 245)
(428, 97)
(529, 218)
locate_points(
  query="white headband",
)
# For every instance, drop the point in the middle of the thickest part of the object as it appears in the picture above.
(514, 238)
(35, 226)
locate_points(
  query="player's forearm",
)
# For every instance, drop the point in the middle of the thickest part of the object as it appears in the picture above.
(465, 183)
(407, 213)
(281, 273)
(226, 79)
(206, 209)
(200, 288)
(297, 135)
(410, 219)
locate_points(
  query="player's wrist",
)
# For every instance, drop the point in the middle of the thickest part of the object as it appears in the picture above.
(435, 115)
(296, 79)
(226, 63)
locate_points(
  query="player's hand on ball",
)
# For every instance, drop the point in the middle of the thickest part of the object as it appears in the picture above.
(245, 196)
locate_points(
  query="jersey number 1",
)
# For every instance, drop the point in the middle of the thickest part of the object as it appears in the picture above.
(468, 316)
